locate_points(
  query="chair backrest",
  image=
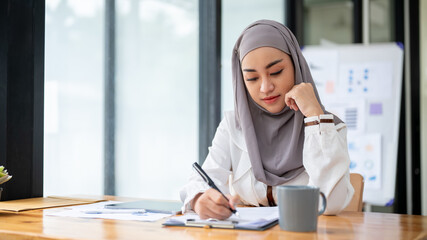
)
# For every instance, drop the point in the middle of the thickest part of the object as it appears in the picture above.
(356, 203)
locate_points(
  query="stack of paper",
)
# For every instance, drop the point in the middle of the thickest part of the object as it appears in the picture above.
(98, 210)
(251, 218)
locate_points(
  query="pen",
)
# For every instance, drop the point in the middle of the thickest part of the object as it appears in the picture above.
(211, 184)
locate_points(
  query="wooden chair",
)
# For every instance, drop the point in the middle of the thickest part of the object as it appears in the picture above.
(356, 203)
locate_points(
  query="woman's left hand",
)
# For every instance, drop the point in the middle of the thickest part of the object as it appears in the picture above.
(301, 97)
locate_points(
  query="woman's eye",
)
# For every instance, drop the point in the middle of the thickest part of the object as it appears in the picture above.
(251, 79)
(276, 73)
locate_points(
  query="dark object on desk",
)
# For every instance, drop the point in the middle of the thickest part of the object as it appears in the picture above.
(153, 206)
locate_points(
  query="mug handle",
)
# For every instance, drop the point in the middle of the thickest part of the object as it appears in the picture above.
(324, 203)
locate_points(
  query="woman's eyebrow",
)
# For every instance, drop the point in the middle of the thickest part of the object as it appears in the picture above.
(267, 67)
(272, 63)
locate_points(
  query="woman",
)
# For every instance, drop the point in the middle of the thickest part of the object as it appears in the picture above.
(278, 134)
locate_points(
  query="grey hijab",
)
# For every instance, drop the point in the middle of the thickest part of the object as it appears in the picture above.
(274, 141)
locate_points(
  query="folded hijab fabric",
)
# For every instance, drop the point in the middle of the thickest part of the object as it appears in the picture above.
(274, 141)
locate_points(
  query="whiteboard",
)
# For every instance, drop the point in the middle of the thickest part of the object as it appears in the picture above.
(362, 84)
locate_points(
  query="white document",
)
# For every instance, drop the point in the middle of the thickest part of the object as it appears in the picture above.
(250, 218)
(97, 210)
(365, 158)
(371, 79)
(323, 65)
(352, 112)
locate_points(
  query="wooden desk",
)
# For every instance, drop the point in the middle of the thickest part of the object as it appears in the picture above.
(36, 225)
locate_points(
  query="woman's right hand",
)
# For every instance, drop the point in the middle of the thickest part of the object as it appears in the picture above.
(212, 204)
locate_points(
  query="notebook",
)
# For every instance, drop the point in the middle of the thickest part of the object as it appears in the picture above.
(251, 218)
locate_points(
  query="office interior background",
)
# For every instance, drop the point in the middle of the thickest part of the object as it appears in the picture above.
(120, 97)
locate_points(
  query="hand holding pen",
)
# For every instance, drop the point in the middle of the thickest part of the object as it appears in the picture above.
(213, 203)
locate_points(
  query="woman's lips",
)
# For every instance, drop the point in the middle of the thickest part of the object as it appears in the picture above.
(271, 100)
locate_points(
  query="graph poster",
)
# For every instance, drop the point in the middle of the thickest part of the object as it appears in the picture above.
(361, 84)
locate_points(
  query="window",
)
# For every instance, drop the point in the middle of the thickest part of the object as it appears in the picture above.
(156, 96)
(73, 129)
(328, 21)
(236, 16)
(381, 20)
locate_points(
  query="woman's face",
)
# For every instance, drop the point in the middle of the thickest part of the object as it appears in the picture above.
(268, 74)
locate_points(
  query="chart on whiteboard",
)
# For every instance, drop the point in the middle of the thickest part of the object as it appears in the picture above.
(366, 79)
(365, 158)
(361, 84)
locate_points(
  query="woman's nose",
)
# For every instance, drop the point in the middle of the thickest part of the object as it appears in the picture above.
(266, 85)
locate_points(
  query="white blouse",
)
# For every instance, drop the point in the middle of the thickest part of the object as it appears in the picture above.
(325, 158)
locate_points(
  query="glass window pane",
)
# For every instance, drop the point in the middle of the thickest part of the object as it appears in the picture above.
(328, 21)
(236, 16)
(157, 96)
(73, 129)
(381, 20)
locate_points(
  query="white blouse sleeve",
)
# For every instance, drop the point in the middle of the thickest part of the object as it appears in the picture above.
(326, 160)
(217, 165)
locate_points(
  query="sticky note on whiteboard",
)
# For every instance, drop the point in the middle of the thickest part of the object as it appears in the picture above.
(330, 87)
(376, 109)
